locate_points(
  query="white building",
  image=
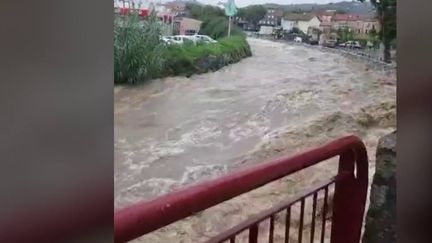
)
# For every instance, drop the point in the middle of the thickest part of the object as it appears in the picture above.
(301, 21)
(132, 4)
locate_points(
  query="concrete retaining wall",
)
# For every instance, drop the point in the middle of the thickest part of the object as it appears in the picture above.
(381, 216)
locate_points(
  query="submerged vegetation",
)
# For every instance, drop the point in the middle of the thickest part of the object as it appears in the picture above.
(140, 55)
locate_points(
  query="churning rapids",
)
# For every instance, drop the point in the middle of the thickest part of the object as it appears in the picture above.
(283, 99)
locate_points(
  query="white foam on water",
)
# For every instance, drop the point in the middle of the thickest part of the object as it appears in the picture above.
(201, 172)
(148, 188)
(148, 151)
(156, 185)
(202, 135)
(257, 125)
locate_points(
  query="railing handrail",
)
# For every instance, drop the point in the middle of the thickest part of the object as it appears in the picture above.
(142, 218)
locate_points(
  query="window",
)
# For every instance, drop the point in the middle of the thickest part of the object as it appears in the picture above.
(190, 32)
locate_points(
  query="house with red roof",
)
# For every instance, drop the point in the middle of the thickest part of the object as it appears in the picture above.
(302, 21)
(357, 23)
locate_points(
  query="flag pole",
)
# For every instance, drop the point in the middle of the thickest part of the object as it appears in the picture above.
(230, 10)
(229, 26)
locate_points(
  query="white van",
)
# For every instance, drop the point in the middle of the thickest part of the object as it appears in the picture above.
(166, 39)
(181, 39)
(204, 38)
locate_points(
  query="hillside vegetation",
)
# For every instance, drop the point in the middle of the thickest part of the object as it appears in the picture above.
(355, 7)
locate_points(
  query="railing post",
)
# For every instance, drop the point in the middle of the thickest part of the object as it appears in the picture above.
(350, 197)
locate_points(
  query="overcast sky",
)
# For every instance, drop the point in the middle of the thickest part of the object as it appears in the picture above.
(242, 3)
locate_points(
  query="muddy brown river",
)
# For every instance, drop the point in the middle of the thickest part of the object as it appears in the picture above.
(285, 98)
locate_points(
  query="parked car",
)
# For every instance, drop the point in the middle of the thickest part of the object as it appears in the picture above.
(182, 39)
(342, 44)
(331, 43)
(190, 32)
(351, 44)
(204, 38)
(298, 39)
(166, 39)
(356, 45)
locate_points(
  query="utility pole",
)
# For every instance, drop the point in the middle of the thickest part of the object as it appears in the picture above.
(229, 26)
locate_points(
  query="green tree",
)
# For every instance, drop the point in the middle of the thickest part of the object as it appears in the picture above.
(204, 12)
(297, 11)
(296, 30)
(341, 11)
(345, 34)
(386, 13)
(252, 13)
(215, 23)
(373, 34)
(217, 27)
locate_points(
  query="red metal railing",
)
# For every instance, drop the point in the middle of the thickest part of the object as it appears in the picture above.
(348, 207)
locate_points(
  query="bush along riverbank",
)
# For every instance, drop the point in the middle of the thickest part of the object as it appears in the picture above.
(140, 55)
(193, 59)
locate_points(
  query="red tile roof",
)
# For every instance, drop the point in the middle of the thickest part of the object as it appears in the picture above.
(347, 17)
(299, 17)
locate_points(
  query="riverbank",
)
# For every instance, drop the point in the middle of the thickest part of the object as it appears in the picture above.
(140, 54)
(180, 60)
(195, 59)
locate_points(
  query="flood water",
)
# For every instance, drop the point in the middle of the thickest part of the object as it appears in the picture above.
(179, 130)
